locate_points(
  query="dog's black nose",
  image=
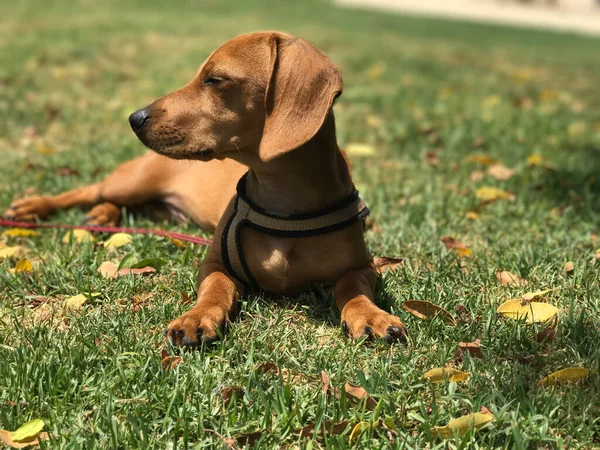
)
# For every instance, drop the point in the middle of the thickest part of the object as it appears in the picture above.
(138, 119)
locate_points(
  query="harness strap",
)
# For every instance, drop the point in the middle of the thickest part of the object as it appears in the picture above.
(340, 215)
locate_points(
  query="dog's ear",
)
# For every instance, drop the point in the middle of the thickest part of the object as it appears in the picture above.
(302, 87)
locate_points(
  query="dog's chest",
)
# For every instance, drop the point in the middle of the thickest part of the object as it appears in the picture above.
(289, 265)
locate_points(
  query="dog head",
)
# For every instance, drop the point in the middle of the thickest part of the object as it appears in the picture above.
(255, 98)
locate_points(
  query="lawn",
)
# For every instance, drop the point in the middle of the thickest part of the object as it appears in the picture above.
(434, 104)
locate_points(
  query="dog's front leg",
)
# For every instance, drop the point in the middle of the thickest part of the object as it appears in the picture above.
(217, 296)
(354, 297)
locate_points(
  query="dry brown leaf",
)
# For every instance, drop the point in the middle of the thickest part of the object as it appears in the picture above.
(358, 392)
(476, 176)
(547, 335)
(500, 172)
(327, 428)
(140, 271)
(169, 362)
(228, 392)
(451, 243)
(384, 264)
(569, 267)
(506, 278)
(325, 383)
(472, 348)
(432, 159)
(267, 367)
(427, 310)
(6, 439)
(108, 269)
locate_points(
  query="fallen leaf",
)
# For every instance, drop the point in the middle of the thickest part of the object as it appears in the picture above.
(45, 150)
(176, 242)
(445, 374)
(358, 393)
(79, 236)
(28, 431)
(546, 336)
(9, 252)
(24, 265)
(479, 141)
(108, 269)
(358, 430)
(325, 383)
(169, 362)
(451, 243)
(266, 367)
(432, 159)
(359, 149)
(569, 374)
(500, 172)
(384, 264)
(506, 278)
(569, 267)
(66, 172)
(472, 215)
(462, 252)
(77, 301)
(131, 271)
(6, 439)
(472, 348)
(531, 312)
(483, 160)
(476, 176)
(228, 392)
(535, 295)
(117, 240)
(489, 194)
(427, 310)
(20, 232)
(462, 425)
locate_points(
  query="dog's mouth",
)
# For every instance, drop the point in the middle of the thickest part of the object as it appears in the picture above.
(177, 153)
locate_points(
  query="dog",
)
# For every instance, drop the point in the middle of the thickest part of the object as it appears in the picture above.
(263, 171)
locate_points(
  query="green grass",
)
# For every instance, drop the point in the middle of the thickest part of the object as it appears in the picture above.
(71, 72)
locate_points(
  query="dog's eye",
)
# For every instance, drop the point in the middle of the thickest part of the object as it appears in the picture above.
(213, 80)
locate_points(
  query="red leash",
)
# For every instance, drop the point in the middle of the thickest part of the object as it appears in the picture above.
(172, 234)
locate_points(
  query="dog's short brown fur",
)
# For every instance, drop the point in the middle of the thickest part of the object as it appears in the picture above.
(260, 103)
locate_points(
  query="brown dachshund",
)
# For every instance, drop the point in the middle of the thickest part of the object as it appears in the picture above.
(258, 111)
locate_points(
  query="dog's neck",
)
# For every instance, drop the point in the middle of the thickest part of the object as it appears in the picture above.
(307, 179)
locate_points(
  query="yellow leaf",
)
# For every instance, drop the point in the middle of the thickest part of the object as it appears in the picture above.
(19, 232)
(77, 301)
(462, 425)
(8, 252)
(535, 295)
(28, 431)
(445, 374)
(488, 194)
(359, 149)
(23, 265)
(6, 439)
(463, 252)
(117, 240)
(531, 312)
(79, 236)
(491, 100)
(484, 160)
(176, 242)
(373, 121)
(569, 374)
(427, 310)
(472, 215)
(358, 429)
(46, 150)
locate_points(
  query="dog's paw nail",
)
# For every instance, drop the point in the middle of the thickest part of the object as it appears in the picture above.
(395, 334)
(188, 342)
(368, 330)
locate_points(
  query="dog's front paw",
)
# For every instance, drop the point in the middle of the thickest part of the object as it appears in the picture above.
(368, 320)
(30, 208)
(192, 329)
(107, 214)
